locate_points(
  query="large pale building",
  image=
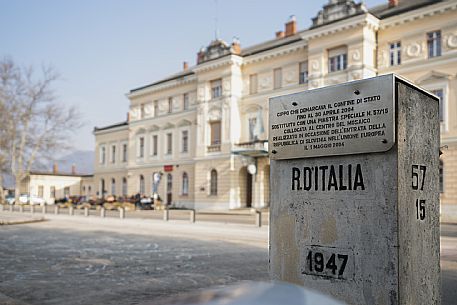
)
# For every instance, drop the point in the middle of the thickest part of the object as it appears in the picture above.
(204, 129)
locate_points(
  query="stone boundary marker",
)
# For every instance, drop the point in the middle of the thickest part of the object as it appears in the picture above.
(354, 191)
(20, 221)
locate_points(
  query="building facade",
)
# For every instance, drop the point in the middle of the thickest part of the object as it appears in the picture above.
(203, 130)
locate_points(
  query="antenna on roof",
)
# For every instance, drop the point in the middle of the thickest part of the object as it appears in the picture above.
(216, 29)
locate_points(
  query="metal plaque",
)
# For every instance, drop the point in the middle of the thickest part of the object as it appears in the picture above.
(352, 118)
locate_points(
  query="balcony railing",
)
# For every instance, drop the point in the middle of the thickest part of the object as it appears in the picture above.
(214, 148)
(256, 148)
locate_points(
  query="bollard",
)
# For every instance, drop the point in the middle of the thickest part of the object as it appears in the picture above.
(121, 213)
(21, 209)
(56, 210)
(70, 211)
(165, 214)
(32, 209)
(102, 212)
(11, 208)
(258, 219)
(86, 211)
(1, 207)
(43, 209)
(192, 215)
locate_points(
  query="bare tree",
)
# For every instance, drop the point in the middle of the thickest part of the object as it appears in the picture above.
(34, 124)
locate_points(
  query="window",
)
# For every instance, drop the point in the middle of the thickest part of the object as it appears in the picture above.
(102, 187)
(337, 63)
(395, 53)
(252, 126)
(185, 141)
(216, 88)
(170, 105)
(253, 83)
(185, 184)
(89, 190)
(66, 191)
(141, 185)
(124, 152)
(40, 191)
(434, 44)
(277, 78)
(440, 94)
(52, 191)
(303, 74)
(169, 143)
(141, 147)
(215, 128)
(113, 154)
(154, 145)
(102, 154)
(213, 183)
(185, 101)
(441, 177)
(113, 186)
(156, 108)
(124, 186)
(142, 113)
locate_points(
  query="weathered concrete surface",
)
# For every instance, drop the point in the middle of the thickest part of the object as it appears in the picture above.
(76, 260)
(13, 219)
(365, 245)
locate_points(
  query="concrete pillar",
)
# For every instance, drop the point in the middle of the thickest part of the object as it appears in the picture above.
(56, 210)
(11, 208)
(354, 192)
(192, 215)
(1, 207)
(21, 208)
(86, 211)
(71, 211)
(121, 213)
(102, 212)
(166, 213)
(32, 209)
(258, 219)
(43, 209)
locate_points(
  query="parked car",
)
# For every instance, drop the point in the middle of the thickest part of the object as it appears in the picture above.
(32, 200)
(9, 199)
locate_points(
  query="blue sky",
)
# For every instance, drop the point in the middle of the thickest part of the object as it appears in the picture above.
(104, 48)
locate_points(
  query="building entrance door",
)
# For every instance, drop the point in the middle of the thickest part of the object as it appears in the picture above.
(169, 188)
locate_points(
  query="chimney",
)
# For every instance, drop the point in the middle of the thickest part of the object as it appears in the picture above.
(200, 55)
(73, 169)
(280, 34)
(291, 26)
(393, 3)
(185, 65)
(128, 116)
(55, 168)
(236, 46)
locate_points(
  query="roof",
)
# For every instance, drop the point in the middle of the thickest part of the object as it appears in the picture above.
(380, 11)
(125, 123)
(383, 11)
(56, 174)
(179, 75)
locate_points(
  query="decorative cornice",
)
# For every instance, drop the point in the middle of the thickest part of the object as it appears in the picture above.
(428, 11)
(163, 86)
(367, 20)
(275, 52)
(218, 63)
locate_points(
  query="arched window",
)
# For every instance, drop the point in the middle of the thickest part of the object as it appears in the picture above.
(185, 184)
(89, 190)
(141, 184)
(213, 183)
(441, 177)
(113, 186)
(124, 186)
